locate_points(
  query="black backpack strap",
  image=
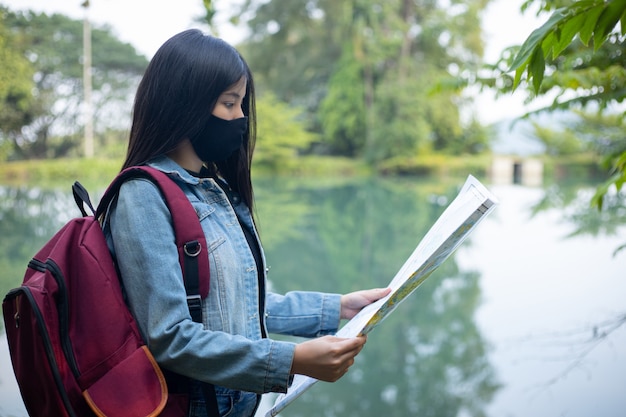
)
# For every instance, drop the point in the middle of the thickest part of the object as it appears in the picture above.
(191, 251)
(81, 197)
(190, 240)
(210, 398)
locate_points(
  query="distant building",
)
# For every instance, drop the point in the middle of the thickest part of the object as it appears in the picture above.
(511, 169)
(515, 155)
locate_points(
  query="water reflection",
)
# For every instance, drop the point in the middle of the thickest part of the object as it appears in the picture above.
(28, 217)
(446, 351)
(540, 285)
(428, 358)
(574, 203)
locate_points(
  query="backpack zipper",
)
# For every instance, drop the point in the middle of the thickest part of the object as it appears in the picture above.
(45, 336)
(63, 309)
(16, 316)
(37, 265)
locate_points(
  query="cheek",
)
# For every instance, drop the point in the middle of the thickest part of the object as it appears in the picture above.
(221, 112)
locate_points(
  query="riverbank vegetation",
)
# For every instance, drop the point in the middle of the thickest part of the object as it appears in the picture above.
(348, 88)
(62, 172)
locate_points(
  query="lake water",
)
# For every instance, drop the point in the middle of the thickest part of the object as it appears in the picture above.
(523, 320)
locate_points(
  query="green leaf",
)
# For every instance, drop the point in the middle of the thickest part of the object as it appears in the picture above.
(607, 21)
(548, 43)
(536, 38)
(537, 67)
(518, 75)
(598, 198)
(602, 189)
(569, 29)
(591, 17)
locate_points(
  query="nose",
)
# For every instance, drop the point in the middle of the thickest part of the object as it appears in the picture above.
(239, 113)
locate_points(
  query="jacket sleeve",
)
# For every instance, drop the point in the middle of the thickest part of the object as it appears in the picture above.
(143, 241)
(302, 313)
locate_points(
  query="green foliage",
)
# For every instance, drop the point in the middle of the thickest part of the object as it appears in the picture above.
(364, 71)
(473, 140)
(559, 142)
(342, 111)
(591, 20)
(581, 47)
(616, 165)
(558, 59)
(409, 133)
(53, 45)
(281, 136)
(16, 85)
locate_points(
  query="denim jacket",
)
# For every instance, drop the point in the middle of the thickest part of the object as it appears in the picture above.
(228, 349)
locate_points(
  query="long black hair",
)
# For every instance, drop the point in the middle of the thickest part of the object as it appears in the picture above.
(176, 96)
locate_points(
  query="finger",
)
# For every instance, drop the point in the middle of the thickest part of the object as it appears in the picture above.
(350, 350)
(379, 293)
(355, 343)
(348, 347)
(345, 366)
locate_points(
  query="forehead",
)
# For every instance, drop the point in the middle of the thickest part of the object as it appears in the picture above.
(238, 88)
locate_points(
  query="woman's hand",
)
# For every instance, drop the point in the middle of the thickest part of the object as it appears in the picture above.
(326, 358)
(353, 302)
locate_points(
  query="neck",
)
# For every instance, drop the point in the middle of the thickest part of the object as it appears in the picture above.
(186, 157)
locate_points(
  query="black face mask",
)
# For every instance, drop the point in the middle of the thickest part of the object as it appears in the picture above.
(219, 138)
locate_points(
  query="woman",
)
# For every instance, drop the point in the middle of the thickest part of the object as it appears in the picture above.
(194, 118)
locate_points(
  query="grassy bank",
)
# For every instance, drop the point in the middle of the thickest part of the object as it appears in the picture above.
(57, 172)
(437, 164)
(61, 172)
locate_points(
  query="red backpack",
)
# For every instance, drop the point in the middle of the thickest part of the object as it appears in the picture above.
(75, 347)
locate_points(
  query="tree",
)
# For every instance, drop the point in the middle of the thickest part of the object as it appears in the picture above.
(16, 84)
(580, 55)
(581, 49)
(364, 70)
(342, 111)
(53, 46)
(282, 135)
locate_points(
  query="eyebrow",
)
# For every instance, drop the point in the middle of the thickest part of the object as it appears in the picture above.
(232, 94)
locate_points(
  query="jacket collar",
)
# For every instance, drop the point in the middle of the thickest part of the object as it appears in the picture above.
(167, 165)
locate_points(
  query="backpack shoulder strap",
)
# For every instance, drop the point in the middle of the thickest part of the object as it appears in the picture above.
(190, 238)
(81, 197)
(190, 241)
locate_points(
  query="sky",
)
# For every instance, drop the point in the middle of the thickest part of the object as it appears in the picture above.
(146, 24)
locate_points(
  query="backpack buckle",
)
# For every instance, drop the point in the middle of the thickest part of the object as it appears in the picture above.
(194, 302)
(192, 248)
